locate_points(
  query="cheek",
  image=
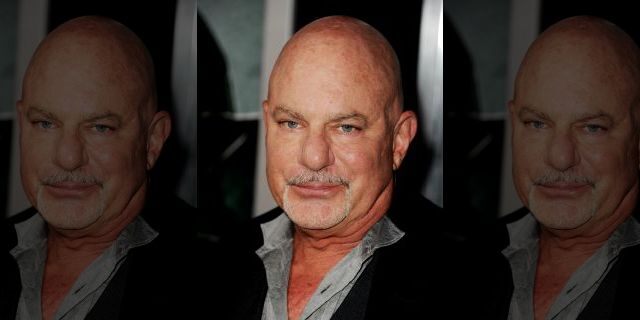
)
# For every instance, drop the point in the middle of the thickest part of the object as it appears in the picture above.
(363, 159)
(609, 160)
(36, 155)
(528, 152)
(120, 160)
(281, 152)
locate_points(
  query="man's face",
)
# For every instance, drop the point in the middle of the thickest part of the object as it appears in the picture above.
(82, 142)
(575, 146)
(328, 141)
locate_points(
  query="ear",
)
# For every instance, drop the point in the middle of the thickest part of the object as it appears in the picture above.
(19, 113)
(265, 115)
(158, 132)
(404, 132)
(512, 107)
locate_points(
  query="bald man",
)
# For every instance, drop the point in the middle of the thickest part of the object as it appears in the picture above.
(89, 133)
(341, 244)
(573, 251)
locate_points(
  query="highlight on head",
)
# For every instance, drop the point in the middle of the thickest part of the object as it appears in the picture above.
(112, 48)
(360, 44)
(585, 38)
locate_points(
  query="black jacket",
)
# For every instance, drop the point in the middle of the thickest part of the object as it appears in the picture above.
(615, 298)
(410, 279)
(172, 277)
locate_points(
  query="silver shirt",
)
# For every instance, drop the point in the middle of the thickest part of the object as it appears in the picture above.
(31, 254)
(522, 254)
(276, 254)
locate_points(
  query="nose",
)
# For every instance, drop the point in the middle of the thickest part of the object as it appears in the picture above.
(70, 151)
(316, 151)
(562, 152)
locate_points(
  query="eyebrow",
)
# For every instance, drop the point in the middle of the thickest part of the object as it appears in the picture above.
(579, 118)
(348, 116)
(597, 115)
(338, 117)
(526, 110)
(282, 109)
(107, 115)
(33, 111)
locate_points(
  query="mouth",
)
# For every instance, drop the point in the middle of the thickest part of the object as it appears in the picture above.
(70, 189)
(563, 189)
(316, 189)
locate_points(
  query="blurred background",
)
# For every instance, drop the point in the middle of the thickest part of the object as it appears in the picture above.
(485, 42)
(167, 28)
(238, 42)
(213, 58)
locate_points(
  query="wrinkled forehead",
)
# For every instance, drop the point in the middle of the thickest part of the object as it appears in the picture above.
(588, 69)
(340, 58)
(108, 64)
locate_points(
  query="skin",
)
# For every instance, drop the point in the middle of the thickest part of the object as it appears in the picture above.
(575, 143)
(335, 131)
(89, 131)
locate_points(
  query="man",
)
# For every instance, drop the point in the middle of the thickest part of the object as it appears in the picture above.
(340, 245)
(89, 133)
(572, 251)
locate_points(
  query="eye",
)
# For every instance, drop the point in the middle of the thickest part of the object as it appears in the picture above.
(101, 128)
(46, 124)
(289, 124)
(594, 128)
(347, 128)
(43, 124)
(535, 124)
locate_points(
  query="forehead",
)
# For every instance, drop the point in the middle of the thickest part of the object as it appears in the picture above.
(565, 83)
(329, 76)
(76, 79)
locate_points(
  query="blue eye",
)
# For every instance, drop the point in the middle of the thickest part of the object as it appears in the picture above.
(102, 128)
(44, 124)
(535, 124)
(347, 128)
(290, 124)
(594, 128)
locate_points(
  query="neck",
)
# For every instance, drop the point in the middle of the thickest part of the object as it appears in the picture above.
(90, 242)
(584, 241)
(332, 244)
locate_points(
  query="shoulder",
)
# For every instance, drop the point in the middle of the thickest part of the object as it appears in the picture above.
(8, 227)
(424, 223)
(164, 275)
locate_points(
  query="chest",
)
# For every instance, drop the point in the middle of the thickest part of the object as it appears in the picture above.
(300, 289)
(56, 284)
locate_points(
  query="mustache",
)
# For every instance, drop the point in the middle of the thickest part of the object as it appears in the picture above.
(321, 177)
(551, 178)
(75, 177)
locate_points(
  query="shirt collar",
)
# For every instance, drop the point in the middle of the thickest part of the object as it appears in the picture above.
(523, 234)
(33, 232)
(279, 231)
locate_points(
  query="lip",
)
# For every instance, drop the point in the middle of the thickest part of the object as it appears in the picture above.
(564, 189)
(316, 190)
(70, 189)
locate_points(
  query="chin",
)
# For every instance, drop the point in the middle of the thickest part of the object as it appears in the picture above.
(70, 214)
(315, 217)
(561, 216)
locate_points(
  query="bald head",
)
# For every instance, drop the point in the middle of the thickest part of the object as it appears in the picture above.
(586, 50)
(96, 49)
(89, 129)
(575, 138)
(339, 43)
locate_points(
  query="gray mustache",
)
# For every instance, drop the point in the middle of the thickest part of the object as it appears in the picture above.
(555, 178)
(75, 177)
(317, 177)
